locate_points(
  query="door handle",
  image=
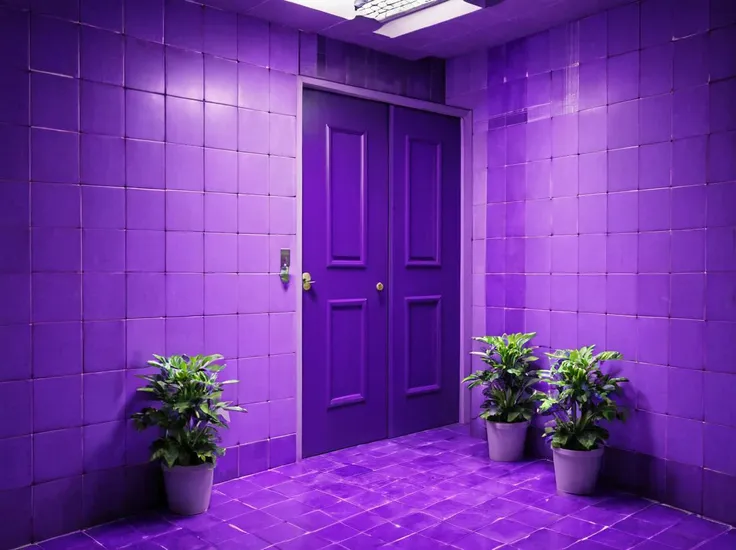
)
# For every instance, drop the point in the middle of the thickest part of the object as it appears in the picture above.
(307, 281)
(379, 287)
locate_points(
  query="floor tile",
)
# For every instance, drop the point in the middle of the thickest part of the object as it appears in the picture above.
(431, 490)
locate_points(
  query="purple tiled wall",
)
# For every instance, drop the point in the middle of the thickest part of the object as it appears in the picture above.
(354, 65)
(147, 183)
(604, 194)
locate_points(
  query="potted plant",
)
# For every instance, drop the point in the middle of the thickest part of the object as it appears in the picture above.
(510, 399)
(580, 397)
(189, 414)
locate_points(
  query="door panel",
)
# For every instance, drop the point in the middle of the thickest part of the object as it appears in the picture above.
(345, 235)
(425, 271)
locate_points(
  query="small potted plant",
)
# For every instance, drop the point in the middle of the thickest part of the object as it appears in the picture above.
(510, 399)
(189, 414)
(580, 397)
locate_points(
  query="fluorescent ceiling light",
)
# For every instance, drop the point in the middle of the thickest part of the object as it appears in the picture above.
(339, 8)
(382, 10)
(426, 17)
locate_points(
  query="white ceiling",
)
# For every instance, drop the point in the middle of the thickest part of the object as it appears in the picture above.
(498, 24)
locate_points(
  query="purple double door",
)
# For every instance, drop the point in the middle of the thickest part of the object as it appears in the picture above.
(381, 243)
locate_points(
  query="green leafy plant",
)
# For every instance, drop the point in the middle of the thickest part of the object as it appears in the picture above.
(190, 411)
(508, 378)
(580, 397)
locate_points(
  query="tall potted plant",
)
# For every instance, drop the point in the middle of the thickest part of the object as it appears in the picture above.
(510, 398)
(580, 398)
(189, 414)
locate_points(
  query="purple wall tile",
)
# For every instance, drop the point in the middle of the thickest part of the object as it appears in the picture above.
(102, 160)
(14, 25)
(718, 441)
(690, 108)
(690, 355)
(104, 346)
(57, 507)
(66, 9)
(145, 295)
(103, 397)
(103, 207)
(14, 100)
(623, 125)
(253, 457)
(721, 165)
(220, 126)
(184, 211)
(220, 80)
(221, 332)
(144, 65)
(253, 41)
(55, 101)
(185, 335)
(54, 156)
(184, 121)
(592, 127)
(685, 389)
(66, 392)
(623, 24)
(184, 298)
(143, 338)
(183, 24)
(184, 167)
(19, 395)
(101, 56)
(144, 19)
(656, 22)
(282, 451)
(655, 119)
(54, 46)
(144, 115)
(107, 16)
(721, 42)
(184, 73)
(656, 70)
(690, 18)
(56, 249)
(623, 77)
(593, 84)
(144, 164)
(690, 61)
(19, 363)
(17, 455)
(56, 297)
(283, 49)
(51, 465)
(15, 154)
(145, 209)
(655, 123)
(220, 33)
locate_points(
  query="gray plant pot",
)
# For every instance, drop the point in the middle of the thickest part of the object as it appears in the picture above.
(189, 488)
(576, 472)
(506, 440)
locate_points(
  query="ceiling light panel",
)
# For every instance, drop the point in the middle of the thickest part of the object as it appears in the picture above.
(384, 10)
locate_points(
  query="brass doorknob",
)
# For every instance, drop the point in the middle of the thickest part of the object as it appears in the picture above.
(379, 287)
(307, 281)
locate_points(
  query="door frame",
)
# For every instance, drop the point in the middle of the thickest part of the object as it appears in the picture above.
(466, 225)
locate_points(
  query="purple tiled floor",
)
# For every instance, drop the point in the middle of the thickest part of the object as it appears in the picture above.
(429, 490)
